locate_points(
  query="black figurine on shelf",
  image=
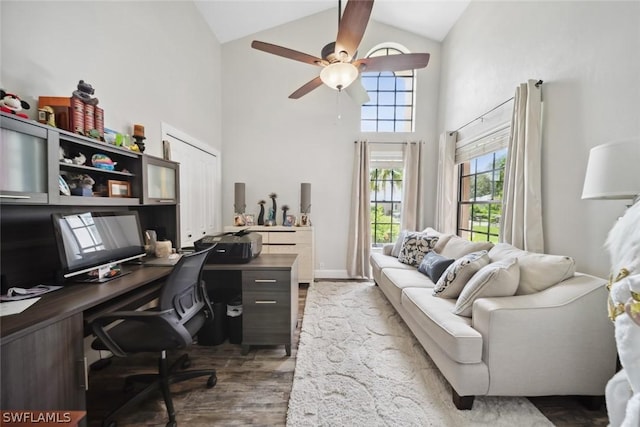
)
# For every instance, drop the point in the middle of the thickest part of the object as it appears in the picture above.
(284, 208)
(261, 214)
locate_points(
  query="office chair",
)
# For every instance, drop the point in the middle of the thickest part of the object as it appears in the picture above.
(183, 309)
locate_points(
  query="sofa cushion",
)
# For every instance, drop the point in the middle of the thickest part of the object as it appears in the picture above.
(442, 238)
(379, 261)
(454, 334)
(433, 265)
(394, 280)
(498, 279)
(537, 271)
(398, 245)
(458, 274)
(414, 246)
(458, 247)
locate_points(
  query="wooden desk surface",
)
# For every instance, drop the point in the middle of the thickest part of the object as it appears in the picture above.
(75, 298)
(261, 262)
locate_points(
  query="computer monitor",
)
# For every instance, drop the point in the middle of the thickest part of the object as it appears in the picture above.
(90, 243)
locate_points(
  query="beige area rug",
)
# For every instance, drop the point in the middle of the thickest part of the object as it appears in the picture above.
(358, 364)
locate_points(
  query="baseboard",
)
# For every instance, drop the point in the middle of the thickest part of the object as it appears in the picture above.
(330, 274)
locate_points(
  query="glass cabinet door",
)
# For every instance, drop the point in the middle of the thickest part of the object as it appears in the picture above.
(23, 163)
(161, 180)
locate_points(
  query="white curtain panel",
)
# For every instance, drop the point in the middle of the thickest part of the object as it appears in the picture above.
(359, 244)
(411, 188)
(521, 223)
(447, 188)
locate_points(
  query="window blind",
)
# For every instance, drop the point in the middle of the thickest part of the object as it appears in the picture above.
(474, 146)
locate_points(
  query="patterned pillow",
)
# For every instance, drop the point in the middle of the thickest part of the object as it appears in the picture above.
(414, 246)
(458, 274)
(433, 265)
(499, 279)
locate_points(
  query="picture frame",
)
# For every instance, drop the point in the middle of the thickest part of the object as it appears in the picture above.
(118, 188)
(249, 219)
(289, 221)
(305, 220)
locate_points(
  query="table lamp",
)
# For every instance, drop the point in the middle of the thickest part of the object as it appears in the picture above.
(613, 171)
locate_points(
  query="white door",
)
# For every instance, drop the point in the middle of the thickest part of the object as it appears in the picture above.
(200, 185)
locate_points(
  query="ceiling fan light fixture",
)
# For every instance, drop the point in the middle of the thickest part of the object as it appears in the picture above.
(339, 75)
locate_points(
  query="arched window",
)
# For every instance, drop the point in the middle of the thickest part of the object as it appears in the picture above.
(391, 96)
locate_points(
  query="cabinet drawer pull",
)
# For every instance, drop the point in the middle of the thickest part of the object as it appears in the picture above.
(165, 201)
(10, 196)
(265, 280)
(266, 302)
(83, 374)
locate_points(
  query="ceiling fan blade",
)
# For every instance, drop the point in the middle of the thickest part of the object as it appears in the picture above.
(352, 25)
(306, 88)
(357, 92)
(400, 62)
(286, 53)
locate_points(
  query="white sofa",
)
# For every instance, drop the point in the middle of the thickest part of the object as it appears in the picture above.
(556, 341)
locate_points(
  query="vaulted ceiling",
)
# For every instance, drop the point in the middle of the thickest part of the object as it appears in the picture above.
(233, 19)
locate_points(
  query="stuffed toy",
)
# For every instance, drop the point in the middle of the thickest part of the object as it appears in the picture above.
(623, 389)
(12, 104)
(84, 92)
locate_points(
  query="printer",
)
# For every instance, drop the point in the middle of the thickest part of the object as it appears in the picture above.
(231, 248)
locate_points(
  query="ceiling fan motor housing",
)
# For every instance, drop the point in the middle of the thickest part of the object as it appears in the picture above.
(329, 54)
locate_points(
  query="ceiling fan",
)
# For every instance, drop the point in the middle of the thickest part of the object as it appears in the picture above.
(340, 68)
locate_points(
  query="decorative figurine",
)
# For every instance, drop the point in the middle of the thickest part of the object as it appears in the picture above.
(261, 214)
(284, 208)
(272, 212)
(138, 135)
(12, 104)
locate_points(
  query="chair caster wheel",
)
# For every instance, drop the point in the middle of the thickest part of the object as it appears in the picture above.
(186, 364)
(172, 424)
(212, 381)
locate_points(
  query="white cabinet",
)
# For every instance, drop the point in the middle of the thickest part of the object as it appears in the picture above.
(278, 239)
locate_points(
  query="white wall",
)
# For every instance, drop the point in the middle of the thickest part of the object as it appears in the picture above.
(149, 62)
(587, 55)
(273, 143)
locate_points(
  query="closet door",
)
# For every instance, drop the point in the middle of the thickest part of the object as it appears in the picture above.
(199, 186)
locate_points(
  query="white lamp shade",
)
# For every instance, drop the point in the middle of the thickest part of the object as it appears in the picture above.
(613, 171)
(339, 75)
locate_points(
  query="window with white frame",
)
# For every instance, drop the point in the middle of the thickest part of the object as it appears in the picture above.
(391, 96)
(481, 164)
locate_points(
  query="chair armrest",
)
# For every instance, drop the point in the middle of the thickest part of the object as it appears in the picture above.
(549, 340)
(159, 322)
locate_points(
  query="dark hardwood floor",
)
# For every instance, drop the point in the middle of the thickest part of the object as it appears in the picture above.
(252, 390)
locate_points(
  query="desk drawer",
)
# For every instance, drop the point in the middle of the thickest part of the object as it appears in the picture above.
(266, 278)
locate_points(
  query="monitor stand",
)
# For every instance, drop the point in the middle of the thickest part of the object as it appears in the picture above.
(102, 274)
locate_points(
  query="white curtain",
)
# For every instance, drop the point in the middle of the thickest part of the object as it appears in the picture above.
(359, 244)
(446, 192)
(521, 223)
(411, 188)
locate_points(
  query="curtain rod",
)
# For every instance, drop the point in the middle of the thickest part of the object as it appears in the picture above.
(538, 84)
(392, 142)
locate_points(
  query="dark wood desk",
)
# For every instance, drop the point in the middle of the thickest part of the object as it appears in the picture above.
(42, 354)
(269, 287)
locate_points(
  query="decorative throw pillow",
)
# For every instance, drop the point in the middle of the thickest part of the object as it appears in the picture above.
(458, 274)
(433, 265)
(458, 247)
(537, 271)
(398, 245)
(414, 246)
(499, 279)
